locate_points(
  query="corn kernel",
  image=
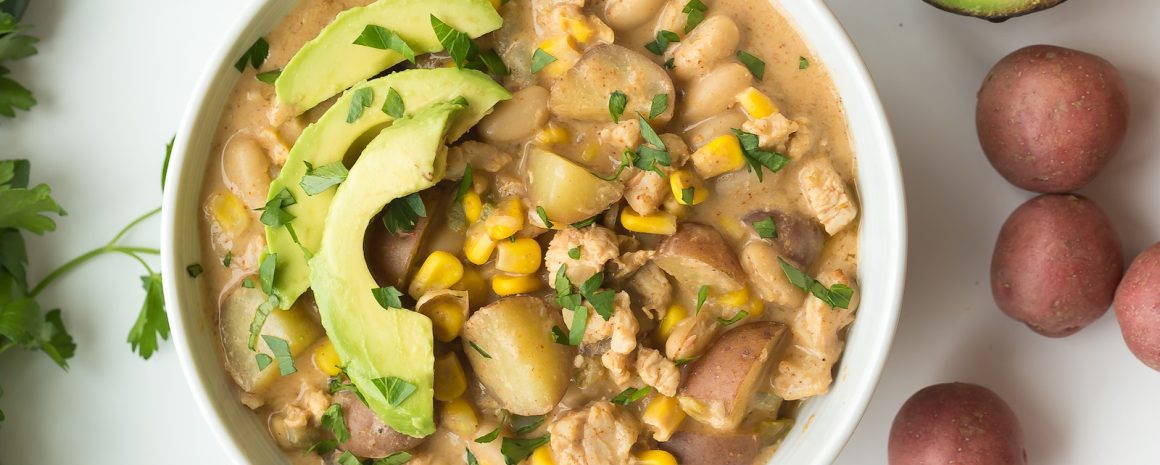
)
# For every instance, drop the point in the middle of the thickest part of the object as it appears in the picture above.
(475, 286)
(505, 285)
(472, 206)
(326, 359)
(655, 457)
(543, 456)
(579, 29)
(734, 228)
(662, 223)
(520, 257)
(566, 51)
(663, 415)
(460, 417)
(450, 382)
(676, 314)
(506, 220)
(685, 179)
(756, 307)
(721, 155)
(229, 213)
(446, 318)
(478, 246)
(553, 134)
(497, 3)
(735, 299)
(756, 103)
(440, 271)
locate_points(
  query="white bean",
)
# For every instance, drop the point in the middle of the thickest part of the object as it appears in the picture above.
(714, 41)
(628, 14)
(712, 128)
(246, 170)
(716, 92)
(517, 118)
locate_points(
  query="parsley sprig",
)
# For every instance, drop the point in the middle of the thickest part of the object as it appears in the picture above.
(14, 45)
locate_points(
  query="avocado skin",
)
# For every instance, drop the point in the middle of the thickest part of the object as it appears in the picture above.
(998, 16)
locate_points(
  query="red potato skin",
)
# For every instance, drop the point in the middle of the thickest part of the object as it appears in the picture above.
(1138, 307)
(1056, 264)
(1051, 118)
(956, 423)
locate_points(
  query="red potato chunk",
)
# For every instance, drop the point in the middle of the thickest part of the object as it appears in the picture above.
(697, 255)
(720, 385)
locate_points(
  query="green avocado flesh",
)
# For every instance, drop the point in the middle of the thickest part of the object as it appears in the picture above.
(330, 138)
(994, 10)
(374, 342)
(332, 62)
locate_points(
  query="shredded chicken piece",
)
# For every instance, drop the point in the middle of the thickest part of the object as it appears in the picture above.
(657, 371)
(773, 130)
(807, 367)
(678, 150)
(645, 191)
(692, 336)
(509, 185)
(631, 262)
(623, 135)
(556, 18)
(827, 196)
(315, 402)
(802, 142)
(620, 328)
(619, 367)
(602, 434)
(480, 156)
(597, 246)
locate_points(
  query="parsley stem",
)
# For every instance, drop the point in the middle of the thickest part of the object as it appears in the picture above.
(111, 247)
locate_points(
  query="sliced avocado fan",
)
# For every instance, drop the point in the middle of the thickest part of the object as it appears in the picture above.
(994, 10)
(383, 349)
(332, 62)
(329, 139)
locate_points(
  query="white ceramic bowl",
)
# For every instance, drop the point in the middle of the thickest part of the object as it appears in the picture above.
(826, 423)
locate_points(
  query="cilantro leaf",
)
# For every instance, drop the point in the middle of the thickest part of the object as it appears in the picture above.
(836, 296)
(466, 183)
(515, 450)
(194, 270)
(579, 325)
(362, 99)
(755, 65)
(662, 42)
(254, 56)
(152, 321)
(25, 209)
(397, 458)
(348, 458)
(543, 214)
(394, 389)
(574, 253)
(541, 59)
(766, 229)
(13, 95)
(263, 361)
(631, 395)
(388, 297)
(660, 104)
(803, 63)
(626, 159)
(680, 362)
(702, 294)
(489, 437)
(165, 164)
(494, 64)
(282, 355)
(334, 422)
(731, 321)
(379, 37)
(266, 269)
(457, 44)
(274, 214)
(471, 460)
(758, 158)
(394, 106)
(616, 105)
(402, 215)
(319, 179)
(696, 10)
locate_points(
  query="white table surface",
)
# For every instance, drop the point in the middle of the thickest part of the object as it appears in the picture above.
(114, 76)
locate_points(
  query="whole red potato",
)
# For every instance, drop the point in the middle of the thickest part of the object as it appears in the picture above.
(1056, 264)
(1050, 118)
(1138, 307)
(956, 423)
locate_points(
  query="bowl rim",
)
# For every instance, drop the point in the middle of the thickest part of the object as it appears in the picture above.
(861, 86)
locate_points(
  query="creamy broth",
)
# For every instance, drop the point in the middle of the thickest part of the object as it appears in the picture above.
(255, 136)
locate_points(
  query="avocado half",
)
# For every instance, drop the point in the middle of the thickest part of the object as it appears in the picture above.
(995, 11)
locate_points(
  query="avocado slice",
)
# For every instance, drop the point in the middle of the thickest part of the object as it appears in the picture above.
(330, 138)
(994, 10)
(373, 342)
(332, 62)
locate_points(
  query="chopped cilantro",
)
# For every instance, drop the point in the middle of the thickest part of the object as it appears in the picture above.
(479, 349)
(254, 56)
(574, 253)
(696, 10)
(270, 77)
(394, 106)
(836, 296)
(616, 105)
(362, 99)
(457, 44)
(662, 42)
(263, 360)
(494, 63)
(282, 354)
(660, 104)
(758, 158)
(755, 65)
(194, 270)
(318, 179)
(702, 295)
(402, 215)
(394, 389)
(766, 229)
(631, 395)
(489, 437)
(543, 217)
(803, 63)
(541, 59)
(515, 450)
(738, 317)
(379, 37)
(388, 297)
